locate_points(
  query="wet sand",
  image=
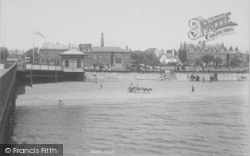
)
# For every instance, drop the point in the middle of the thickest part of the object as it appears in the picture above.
(116, 90)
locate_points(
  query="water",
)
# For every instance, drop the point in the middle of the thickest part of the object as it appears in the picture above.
(171, 120)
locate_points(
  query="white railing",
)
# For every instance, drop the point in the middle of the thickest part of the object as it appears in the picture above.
(52, 68)
(43, 67)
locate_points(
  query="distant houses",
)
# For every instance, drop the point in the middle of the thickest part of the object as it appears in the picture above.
(87, 56)
(192, 54)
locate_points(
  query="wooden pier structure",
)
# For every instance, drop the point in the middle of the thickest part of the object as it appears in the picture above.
(7, 101)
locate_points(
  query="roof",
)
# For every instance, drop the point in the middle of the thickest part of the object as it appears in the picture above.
(235, 51)
(107, 49)
(72, 52)
(200, 46)
(54, 46)
(168, 56)
(160, 55)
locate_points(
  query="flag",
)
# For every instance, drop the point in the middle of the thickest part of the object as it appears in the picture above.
(40, 34)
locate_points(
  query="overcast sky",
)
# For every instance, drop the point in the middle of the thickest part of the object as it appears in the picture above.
(140, 24)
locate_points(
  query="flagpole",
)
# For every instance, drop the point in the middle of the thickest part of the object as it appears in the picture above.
(33, 46)
(4, 35)
(31, 73)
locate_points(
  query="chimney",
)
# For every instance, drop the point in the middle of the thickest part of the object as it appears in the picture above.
(126, 47)
(185, 45)
(102, 41)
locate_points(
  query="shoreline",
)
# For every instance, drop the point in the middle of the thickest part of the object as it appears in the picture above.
(179, 76)
(88, 93)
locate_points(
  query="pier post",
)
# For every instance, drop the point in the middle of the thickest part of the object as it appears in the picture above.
(55, 76)
(31, 77)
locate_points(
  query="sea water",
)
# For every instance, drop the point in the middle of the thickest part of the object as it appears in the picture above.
(170, 120)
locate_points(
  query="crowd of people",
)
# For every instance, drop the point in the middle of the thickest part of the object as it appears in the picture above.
(196, 77)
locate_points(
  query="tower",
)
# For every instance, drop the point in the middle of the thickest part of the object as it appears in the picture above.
(102, 41)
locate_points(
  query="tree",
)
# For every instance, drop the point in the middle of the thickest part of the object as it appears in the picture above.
(183, 56)
(4, 53)
(151, 59)
(29, 54)
(207, 58)
(137, 57)
(146, 57)
(234, 62)
(218, 60)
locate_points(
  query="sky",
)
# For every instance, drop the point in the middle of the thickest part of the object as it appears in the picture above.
(140, 24)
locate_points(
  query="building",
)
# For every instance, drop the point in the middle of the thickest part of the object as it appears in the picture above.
(49, 53)
(114, 58)
(191, 54)
(73, 61)
(241, 58)
(170, 56)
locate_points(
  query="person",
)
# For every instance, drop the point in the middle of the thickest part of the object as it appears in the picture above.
(101, 85)
(211, 78)
(60, 103)
(191, 77)
(215, 76)
(197, 78)
(193, 89)
(131, 85)
(203, 79)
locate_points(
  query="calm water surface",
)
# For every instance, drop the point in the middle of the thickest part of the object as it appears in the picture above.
(171, 120)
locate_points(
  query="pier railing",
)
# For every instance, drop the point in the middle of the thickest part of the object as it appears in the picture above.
(52, 68)
(7, 82)
(43, 67)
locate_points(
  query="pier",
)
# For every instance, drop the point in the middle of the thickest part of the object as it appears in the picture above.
(7, 101)
(49, 73)
(13, 79)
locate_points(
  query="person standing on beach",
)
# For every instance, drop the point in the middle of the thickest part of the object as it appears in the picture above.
(131, 85)
(100, 85)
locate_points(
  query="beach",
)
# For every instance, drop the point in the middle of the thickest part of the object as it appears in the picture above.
(170, 120)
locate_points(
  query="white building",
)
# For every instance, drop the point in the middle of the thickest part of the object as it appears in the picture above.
(73, 61)
(168, 56)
